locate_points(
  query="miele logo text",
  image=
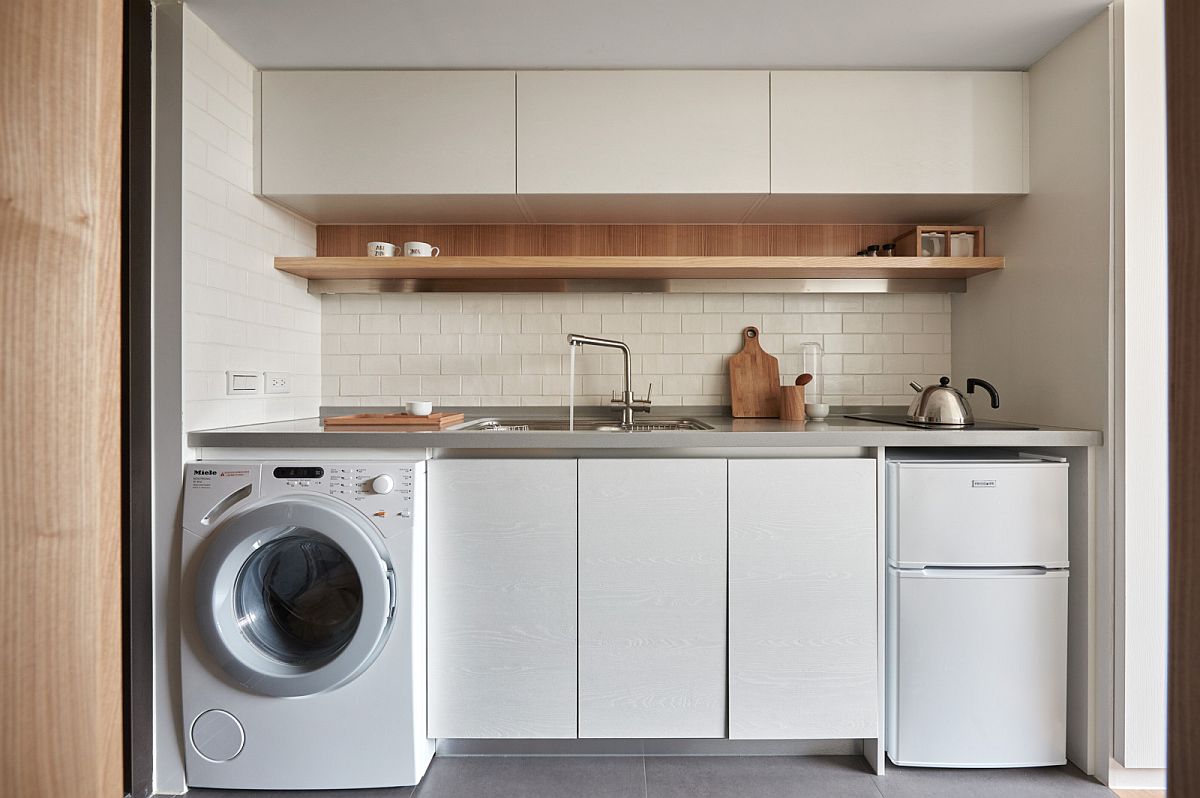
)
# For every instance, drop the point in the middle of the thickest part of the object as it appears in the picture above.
(202, 473)
(983, 483)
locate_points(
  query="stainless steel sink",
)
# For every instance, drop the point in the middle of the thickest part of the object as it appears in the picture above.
(582, 425)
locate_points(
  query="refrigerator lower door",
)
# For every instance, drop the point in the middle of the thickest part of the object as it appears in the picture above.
(977, 667)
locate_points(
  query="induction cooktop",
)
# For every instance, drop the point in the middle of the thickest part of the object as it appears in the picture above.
(905, 421)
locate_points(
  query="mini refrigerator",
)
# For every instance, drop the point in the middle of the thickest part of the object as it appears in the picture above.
(976, 630)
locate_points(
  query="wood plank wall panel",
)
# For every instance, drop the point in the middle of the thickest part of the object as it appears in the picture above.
(60, 171)
(347, 240)
(1183, 161)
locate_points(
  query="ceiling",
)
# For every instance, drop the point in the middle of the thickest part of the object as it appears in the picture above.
(644, 34)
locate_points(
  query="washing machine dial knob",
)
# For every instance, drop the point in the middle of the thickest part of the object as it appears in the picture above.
(383, 484)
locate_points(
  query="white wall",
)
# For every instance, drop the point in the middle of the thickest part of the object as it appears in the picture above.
(1141, 387)
(1039, 330)
(511, 349)
(239, 313)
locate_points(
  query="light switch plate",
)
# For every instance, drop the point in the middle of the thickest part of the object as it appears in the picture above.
(242, 383)
(277, 382)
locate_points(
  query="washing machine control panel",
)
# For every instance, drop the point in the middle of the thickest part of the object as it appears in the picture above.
(390, 494)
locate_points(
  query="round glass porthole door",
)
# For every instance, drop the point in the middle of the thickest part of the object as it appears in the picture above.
(299, 599)
(294, 596)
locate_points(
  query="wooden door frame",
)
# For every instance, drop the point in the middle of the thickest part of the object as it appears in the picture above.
(61, 534)
(137, 398)
(1183, 154)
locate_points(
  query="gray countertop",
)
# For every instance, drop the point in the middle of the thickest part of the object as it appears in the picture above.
(835, 431)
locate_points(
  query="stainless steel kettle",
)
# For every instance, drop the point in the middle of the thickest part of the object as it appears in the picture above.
(944, 405)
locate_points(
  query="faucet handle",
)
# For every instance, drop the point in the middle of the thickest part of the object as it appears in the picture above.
(644, 404)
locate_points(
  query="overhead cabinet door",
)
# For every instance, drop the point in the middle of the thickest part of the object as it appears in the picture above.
(652, 536)
(803, 653)
(898, 132)
(643, 132)
(502, 591)
(341, 133)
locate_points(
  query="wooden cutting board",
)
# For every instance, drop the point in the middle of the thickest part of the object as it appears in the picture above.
(754, 379)
(397, 421)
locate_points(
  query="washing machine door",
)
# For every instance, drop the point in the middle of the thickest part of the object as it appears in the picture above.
(294, 596)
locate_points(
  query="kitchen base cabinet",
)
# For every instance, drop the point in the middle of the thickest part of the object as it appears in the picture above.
(652, 582)
(502, 598)
(803, 622)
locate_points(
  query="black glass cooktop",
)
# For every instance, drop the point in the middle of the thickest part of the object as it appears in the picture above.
(904, 421)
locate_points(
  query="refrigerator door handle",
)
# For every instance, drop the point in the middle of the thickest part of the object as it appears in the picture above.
(935, 572)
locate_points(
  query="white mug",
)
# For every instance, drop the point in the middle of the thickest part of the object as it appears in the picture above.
(381, 249)
(419, 249)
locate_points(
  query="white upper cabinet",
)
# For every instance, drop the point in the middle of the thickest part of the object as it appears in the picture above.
(858, 132)
(643, 132)
(362, 133)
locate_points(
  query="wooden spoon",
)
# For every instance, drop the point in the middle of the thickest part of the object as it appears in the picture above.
(804, 379)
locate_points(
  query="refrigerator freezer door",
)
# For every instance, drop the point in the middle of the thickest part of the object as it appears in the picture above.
(977, 514)
(977, 668)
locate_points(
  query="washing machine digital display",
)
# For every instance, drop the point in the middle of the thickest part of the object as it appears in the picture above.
(299, 472)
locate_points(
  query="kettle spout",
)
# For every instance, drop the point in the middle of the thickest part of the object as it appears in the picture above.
(916, 386)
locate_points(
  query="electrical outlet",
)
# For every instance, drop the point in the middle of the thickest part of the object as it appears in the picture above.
(278, 382)
(242, 383)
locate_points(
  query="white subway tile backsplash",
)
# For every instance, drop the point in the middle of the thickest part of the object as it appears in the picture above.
(377, 364)
(762, 303)
(377, 323)
(903, 323)
(440, 344)
(541, 323)
(883, 303)
(420, 364)
(862, 323)
(359, 386)
(239, 312)
(661, 322)
(511, 349)
(724, 303)
(843, 303)
(500, 324)
(683, 303)
(925, 344)
(522, 303)
(562, 303)
(400, 344)
(922, 303)
(416, 325)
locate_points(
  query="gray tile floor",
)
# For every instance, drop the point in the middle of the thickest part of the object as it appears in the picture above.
(707, 777)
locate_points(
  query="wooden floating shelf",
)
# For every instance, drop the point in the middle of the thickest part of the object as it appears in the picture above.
(652, 267)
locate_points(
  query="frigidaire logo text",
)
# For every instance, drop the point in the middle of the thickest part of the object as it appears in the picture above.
(203, 473)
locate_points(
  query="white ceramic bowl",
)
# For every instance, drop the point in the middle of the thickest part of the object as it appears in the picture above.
(419, 408)
(816, 410)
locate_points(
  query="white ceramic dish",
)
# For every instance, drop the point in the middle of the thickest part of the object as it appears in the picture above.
(816, 410)
(419, 408)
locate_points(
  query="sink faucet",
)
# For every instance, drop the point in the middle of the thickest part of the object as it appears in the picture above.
(629, 405)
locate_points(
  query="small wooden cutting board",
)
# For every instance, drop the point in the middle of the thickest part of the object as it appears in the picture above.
(397, 421)
(754, 379)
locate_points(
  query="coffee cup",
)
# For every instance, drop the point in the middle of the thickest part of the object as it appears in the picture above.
(381, 249)
(419, 249)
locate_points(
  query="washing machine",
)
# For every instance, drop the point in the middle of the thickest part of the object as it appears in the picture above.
(303, 625)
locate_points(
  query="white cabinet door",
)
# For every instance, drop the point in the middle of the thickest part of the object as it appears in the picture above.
(898, 132)
(803, 622)
(387, 133)
(502, 592)
(652, 539)
(643, 132)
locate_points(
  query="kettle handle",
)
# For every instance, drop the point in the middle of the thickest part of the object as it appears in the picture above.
(987, 386)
